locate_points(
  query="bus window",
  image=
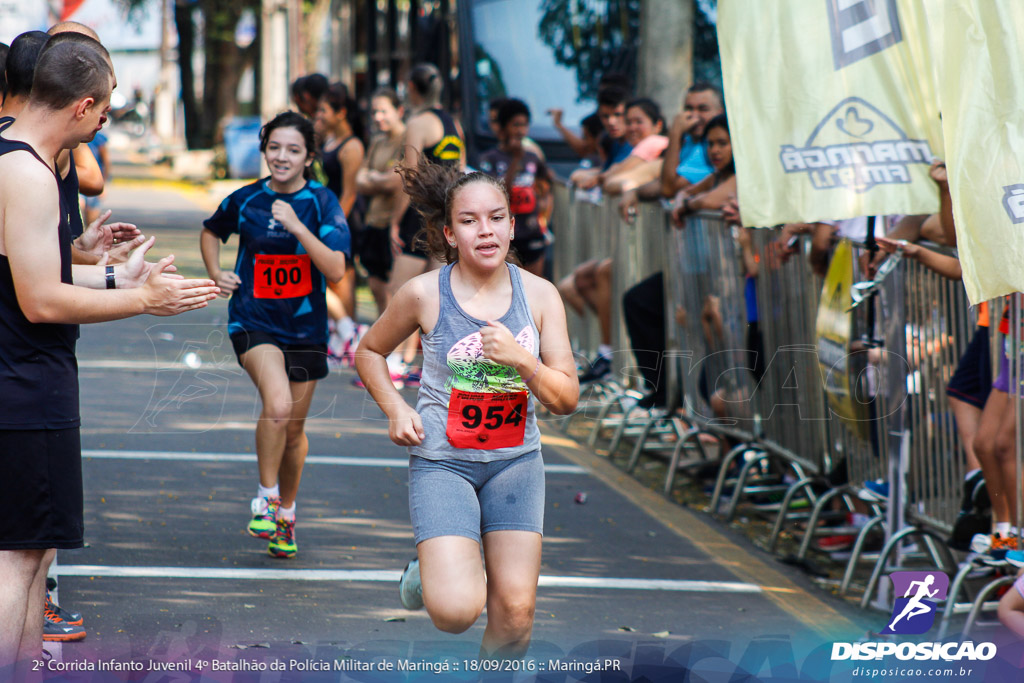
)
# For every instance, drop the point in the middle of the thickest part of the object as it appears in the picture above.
(549, 53)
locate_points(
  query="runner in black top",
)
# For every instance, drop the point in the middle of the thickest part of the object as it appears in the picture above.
(70, 96)
(432, 132)
(338, 120)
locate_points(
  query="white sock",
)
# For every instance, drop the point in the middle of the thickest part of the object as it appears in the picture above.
(395, 363)
(346, 327)
(604, 350)
(1004, 529)
(287, 514)
(273, 492)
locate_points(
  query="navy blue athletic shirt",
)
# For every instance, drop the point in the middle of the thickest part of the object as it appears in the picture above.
(38, 370)
(282, 292)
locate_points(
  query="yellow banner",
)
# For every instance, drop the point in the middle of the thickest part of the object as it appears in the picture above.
(981, 86)
(831, 108)
(834, 327)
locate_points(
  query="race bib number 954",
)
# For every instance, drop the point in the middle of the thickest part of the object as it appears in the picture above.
(486, 421)
(279, 276)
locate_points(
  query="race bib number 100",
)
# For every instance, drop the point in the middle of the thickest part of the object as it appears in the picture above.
(486, 421)
(279, 276)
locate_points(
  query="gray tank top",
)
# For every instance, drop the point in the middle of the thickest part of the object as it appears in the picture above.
(482, 392)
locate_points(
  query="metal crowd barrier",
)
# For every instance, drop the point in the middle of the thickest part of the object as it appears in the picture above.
(902, 345)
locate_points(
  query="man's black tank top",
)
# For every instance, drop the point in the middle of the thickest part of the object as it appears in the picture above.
(448, 151)
(38, 370)
(68, 190)
(69, 198)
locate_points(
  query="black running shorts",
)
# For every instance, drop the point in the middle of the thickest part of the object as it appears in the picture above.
(303, 362)
(43, 485)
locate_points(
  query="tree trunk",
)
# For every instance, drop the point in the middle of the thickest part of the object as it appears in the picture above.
(186, 41)
(225, 62)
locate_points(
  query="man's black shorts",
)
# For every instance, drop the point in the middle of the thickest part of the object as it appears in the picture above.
(972, 380)
(303, 362)
(43, 485)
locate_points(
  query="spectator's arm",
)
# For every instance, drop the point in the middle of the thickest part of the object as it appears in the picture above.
(649, 191)
(350, 157)
(578, 145)
(946, 266)
(90, 178)
(750, 264)
(821, 245)
(670, 181)
(715, 198)
(908, 228)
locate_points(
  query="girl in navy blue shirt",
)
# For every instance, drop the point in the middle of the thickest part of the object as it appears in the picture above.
(293, 239)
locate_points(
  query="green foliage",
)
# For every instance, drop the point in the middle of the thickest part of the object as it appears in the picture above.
(593, 37)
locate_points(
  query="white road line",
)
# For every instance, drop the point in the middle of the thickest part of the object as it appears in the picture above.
(251, 457)
(592, 582)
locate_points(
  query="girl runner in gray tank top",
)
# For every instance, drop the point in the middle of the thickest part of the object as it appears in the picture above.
(494, 340)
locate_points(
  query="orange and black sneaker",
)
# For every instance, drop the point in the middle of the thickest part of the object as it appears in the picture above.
(73, 618)
(55, 629)
(996, 555)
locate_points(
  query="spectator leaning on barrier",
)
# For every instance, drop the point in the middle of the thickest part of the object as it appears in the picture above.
(611, 109)
(528, 180)
(644, 126)
(644, 303)
(686, 159)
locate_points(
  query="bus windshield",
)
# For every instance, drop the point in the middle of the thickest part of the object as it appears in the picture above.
(551, 54)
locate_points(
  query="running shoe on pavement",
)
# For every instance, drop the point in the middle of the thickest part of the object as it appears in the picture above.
(73, 618)
(282, 543)
(410, 590)
(264, 516)
(56, 630)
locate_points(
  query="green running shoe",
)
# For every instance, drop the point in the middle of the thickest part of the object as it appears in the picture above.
(282, 543)
(264, 515)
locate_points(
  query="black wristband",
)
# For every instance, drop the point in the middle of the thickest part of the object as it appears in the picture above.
(110, 277)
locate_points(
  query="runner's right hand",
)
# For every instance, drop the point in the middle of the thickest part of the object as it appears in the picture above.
(162, 295)
(406, 427)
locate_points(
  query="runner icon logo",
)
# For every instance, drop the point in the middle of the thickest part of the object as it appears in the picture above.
(855, 146)
(1013, 202)
(861, 28)
(916, 594)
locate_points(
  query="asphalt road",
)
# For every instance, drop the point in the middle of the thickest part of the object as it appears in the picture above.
(169, 574)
